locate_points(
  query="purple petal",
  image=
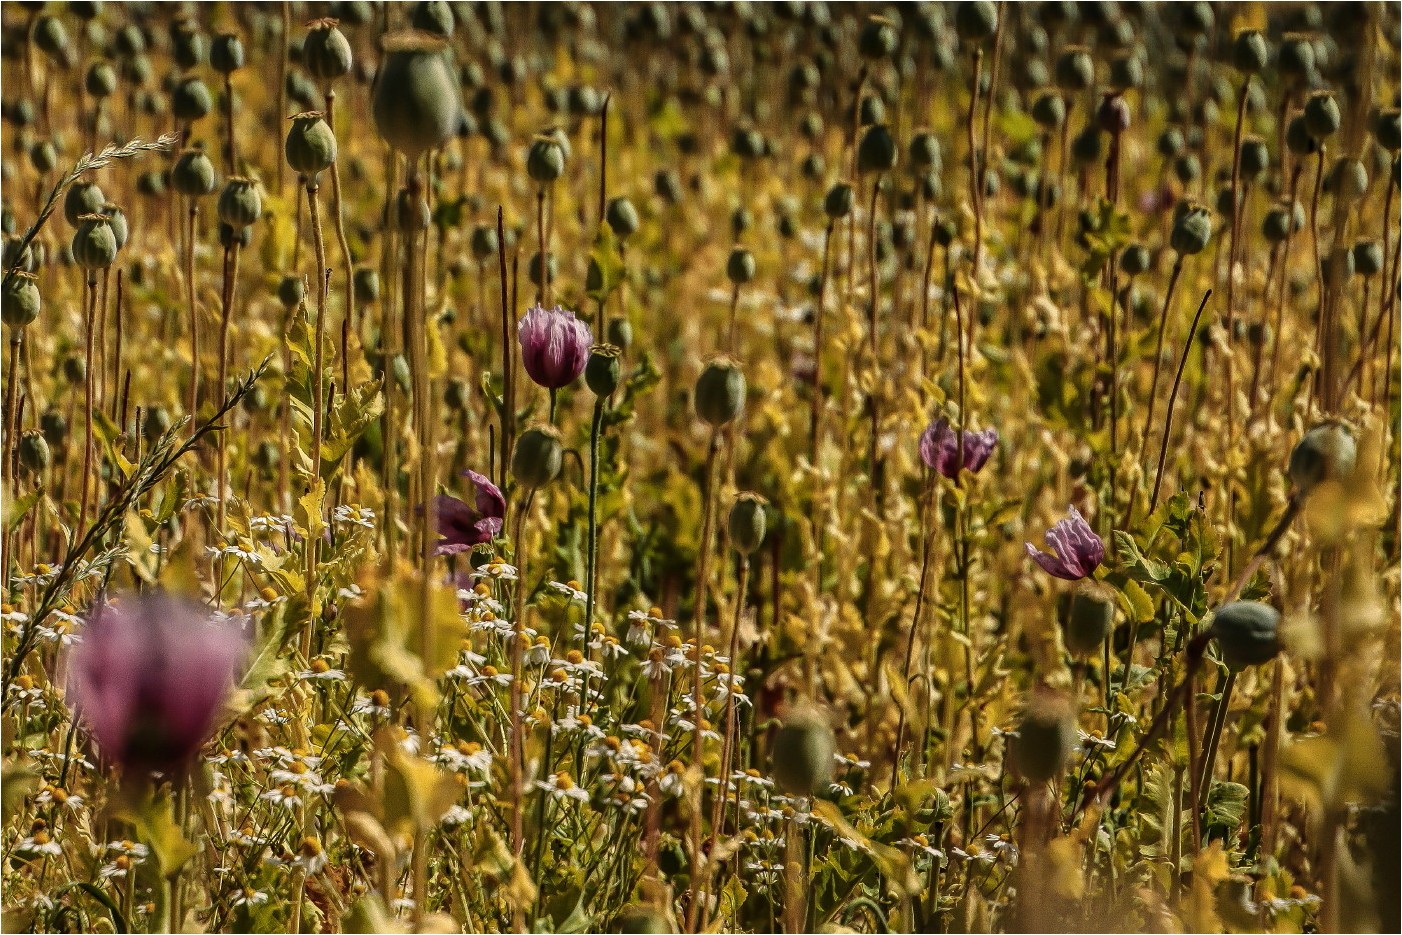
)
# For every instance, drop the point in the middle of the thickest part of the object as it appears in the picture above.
(1050, 564)
(489, 500)
(554, 346)
(456, 523)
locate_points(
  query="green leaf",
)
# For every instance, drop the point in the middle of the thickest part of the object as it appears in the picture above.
(1226, 806)
(1140, 566)
(267, 664)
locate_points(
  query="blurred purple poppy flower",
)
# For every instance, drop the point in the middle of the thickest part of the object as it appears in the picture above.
(554, 346)
(939, 448)
(1079, 551)
(463, 526)
(150, 677)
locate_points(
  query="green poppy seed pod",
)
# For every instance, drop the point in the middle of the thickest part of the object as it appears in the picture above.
(51, 37)
(1368, 258)
(620, 333)
(545, 160)
(118, 220)
(416, 103)
(1113, 115)
(101, 80)
(603, 372)
(456, 395)
(191, 101)
(484, 242)
(1135, 259)
(75, 370)
(1327, 452)
(1322, 116)
(720, 392)
(1075, 71)
(226, 53)
(803, 752)
(1044, 738)
(55, 427)
(1275, 226)
(310, 146)
(19, 255)
(411, 214)
(33, 452)
(878, 39)
(747, 523)
(975, 20)
(1247, 633)
(1126, 71)
(231, 236)
(301, 91)
(1349, 180)
(1296, 59)
(1250, 52)
(186, 44)
(642, 920)
(877, 152)
(21, 301)
(1255, 157)
(1049, 110)
(366, 283)
(945, 232)
(291, 292)
(1388, 130)
(872, 110)
(1089, 618)
(1087, 148)
(740, 267)
(43, 157)
(1170, 142)
(240, 203)
(667, 185)
(537, 457)
(839, 201)
(622, 217)
(747, 143)
(1298, 138)
(82, 198)
(434, 17)
(151, 184)
(94, 243)
(534, 267)
(266, 458)
(811, 126)
(1192, 229)
(326, 52)
(1187, 168)
(255, 400)
(193, 174)
(156, 423)
(925, 154)
(136, 71)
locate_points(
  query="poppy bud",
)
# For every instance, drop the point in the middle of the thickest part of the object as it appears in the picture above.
(720, 392)
(82, 198)
(226, 53)
(1044, 737)
(747, 523)
(1327, 452)
(1247, 633)
(21, 301)
(1322, 116)
(94, 243)
(416, 102)
(538, 456)
(802, 754)
(240, 204)
(1192, 229)
(1135, 259)
(877, 152)
(191, 101)
(740, 267)
(310, 146)
(622, 217)
(839, 201)
(326, 53)
(1089, 618)
(193, 174)
(545, 160)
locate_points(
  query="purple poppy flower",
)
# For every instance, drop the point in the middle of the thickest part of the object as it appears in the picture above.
(939, 448)
(150, 678)
(463, 526)
(1079, 551)
(554, 346)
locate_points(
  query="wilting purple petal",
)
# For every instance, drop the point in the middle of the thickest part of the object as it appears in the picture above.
(150, 677)
(939, 448)
(462, 526)
(1078, 550)
(554, 346)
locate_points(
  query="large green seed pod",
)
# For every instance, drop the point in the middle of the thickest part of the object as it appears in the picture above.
(740, 266)
(33, 452)
(1089, 618)
(291, 292)
(82, 198)
(603, 372)
(975, 20)
(1192, 229)
(802, 754)
(1326, 452)
(839, 201)
(20, 304)
(1250, 52)
(1075, 71)
(226, 53)
(191, 101)
(310, 146)
(240, 203)
(877, 151)
(622, 217)
(720, 392)
(747, 523)
(1049, 111)
(118, 220)
(326, 52)
(416, 103)
(193, 174)
(366, 283)
(538, 456)
(101, 80)
(1045, 737)
(1368, 258)
(94, 243)
(1322, 115)
(1247, 633)
(1255, 157)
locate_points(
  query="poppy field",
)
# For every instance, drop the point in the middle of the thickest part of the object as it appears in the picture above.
(700, 467)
